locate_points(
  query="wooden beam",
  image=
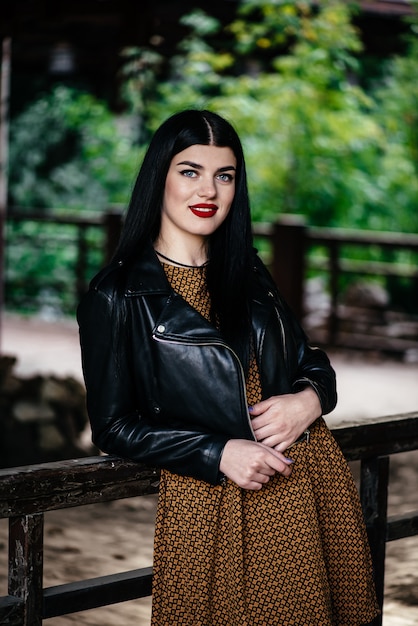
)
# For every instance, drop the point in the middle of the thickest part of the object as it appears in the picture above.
(4, 154)
(89, 594)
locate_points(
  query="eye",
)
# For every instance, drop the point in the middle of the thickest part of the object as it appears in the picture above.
(225, 178)
(189, 173)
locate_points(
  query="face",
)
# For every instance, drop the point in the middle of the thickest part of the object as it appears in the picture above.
(199, 190)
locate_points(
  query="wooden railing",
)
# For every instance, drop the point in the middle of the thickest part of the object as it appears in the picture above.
(26, 493)
(290, 241)
(109, 224)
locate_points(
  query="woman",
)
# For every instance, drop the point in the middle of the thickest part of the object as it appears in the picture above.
(194, 363)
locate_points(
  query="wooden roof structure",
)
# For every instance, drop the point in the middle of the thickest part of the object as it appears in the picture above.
(86, 36)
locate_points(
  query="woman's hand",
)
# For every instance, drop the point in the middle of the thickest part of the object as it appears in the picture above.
(251, 465)
(280, 420)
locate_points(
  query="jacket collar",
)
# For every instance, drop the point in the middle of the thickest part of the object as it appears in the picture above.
(146, 276)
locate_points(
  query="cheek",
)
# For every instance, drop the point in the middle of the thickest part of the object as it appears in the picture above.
(174, 191)
(230, 198)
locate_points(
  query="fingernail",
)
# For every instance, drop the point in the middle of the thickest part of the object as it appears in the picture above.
(288, 460)
(250, 409)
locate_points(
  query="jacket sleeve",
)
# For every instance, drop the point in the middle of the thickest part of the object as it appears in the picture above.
(118, 423)
(316, 371)
(313, 365)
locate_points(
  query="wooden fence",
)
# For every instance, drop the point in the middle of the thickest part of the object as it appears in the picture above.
(109, 224)
(290, 241)
(26, 493)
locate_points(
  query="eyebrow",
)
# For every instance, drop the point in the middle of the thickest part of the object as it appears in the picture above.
(200, 167)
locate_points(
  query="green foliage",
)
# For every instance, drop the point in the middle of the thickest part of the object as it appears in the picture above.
(316, 143)
(41, 262)
(397, 112)
(326, 34)
(284, 73)
(68, 150)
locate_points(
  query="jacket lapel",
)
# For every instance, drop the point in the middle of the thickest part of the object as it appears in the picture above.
(174, 318)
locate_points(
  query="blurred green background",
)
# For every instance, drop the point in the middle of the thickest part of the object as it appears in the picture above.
(328, 132)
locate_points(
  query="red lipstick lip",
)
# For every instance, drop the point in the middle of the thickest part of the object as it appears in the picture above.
(203, 209)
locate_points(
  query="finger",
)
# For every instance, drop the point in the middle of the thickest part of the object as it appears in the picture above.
(282, 457)
(254, 482)
(260, 407)
(273, 441)
(253, 486)
(258, 421)
(282, 446)
(266, 471)
(280, 463)
(287, 470)
(270, 435)
(267, 424)
(262, 479)
(260, 431)
(264, 433)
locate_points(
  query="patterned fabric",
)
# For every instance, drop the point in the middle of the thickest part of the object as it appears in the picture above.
(292, 554)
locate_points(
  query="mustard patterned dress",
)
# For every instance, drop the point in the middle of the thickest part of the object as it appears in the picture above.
(294, 553)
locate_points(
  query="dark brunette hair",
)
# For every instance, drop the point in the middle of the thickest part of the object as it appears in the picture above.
(230, 246)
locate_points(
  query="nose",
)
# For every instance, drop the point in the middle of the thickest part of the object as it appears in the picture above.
(207, 188)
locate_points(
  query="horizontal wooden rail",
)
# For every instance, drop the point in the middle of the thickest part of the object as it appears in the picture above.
(373, 268)
(402, 526)
(90, 594)
(50, 486)
(26, 493)
(381, 436)
(56, 216)
(63, 484)
(383, 239)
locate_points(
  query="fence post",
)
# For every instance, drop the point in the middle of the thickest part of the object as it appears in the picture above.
(374, 499)
(81, 265)
(289, 244)
(334, 274)
(113, 228)
(26, 565)
(5, 67)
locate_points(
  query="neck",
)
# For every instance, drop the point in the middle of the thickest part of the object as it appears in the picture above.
(182, 253)
(166, 259)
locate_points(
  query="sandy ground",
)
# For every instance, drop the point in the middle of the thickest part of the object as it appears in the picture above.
(103, 539)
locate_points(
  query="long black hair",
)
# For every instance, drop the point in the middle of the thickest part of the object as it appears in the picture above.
(230, 246)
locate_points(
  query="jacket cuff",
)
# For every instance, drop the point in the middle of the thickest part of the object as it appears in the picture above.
(302, 383)
(213, 459)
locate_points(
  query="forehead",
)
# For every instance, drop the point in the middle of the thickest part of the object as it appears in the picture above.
(206, 156)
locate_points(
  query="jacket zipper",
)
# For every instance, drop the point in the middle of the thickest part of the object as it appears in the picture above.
(214, 343)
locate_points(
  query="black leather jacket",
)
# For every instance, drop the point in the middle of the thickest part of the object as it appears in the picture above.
(168, 391)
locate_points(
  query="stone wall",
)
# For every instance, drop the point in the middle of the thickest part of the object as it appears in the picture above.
(42, 418)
